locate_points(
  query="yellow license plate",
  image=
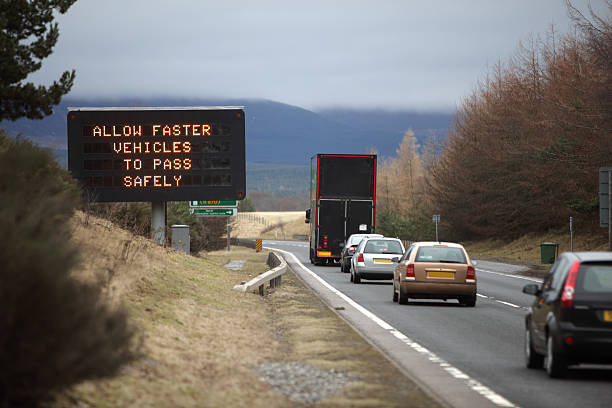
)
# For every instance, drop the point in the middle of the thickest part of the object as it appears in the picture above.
(440, 274)
(380, 260)
(324, 253)
(608, 315)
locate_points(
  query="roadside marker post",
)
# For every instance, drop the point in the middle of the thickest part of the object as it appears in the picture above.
(258, 245)
(436, 220)
(571, 234)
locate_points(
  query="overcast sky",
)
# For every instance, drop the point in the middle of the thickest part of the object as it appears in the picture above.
(423, 55)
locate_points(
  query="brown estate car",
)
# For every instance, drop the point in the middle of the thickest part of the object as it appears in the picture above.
(435, 270)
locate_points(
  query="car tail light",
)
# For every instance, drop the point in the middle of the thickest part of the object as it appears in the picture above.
(567, 299)
(470, 275)
(360, 258)
(569, 340)
(410, 271)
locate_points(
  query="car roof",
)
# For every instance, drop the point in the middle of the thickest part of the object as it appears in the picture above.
(436, 243)
(590, 256)
(381, 238)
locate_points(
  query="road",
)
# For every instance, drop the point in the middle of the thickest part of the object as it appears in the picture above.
(485, 342)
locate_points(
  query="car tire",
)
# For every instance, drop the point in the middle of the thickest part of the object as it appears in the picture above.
(532, 358)
(351, 272)
(402, 297)
(356, 277)
(555, 364)
(469, 301)
(394, 293)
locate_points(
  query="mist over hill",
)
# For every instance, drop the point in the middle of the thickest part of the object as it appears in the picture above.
(280, 138)
(275, 132)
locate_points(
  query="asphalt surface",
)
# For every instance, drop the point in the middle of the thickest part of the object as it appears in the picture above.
(484, 342)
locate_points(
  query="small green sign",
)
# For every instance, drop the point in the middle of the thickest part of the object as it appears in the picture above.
(214, 211)
(213, 203)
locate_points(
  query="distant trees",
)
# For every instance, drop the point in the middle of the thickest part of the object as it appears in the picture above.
(526, 145)
(524, 150)
(400, 191)
(27, 36)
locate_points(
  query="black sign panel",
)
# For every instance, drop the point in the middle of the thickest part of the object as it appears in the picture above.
(158, 154)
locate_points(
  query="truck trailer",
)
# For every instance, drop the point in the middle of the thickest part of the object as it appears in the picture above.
(342, 202)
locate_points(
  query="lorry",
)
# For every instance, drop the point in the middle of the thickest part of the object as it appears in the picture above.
(342, 202)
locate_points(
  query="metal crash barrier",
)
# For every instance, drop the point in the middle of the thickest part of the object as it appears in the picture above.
(273, 276)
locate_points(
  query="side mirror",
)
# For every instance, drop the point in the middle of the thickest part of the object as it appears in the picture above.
(532, 289)
(395, 259)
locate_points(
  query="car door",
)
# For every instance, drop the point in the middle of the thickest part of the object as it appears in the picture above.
(544, 303)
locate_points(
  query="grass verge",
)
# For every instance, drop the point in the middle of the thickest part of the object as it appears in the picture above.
(202, 343)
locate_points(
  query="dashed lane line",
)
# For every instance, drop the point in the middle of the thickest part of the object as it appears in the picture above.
(473, 384)
(510, 276)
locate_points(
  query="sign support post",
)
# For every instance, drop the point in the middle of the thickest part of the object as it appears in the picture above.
(609, 209)
(158, 221)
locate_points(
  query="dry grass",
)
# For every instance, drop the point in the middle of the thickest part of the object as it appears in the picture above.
(526, 249)
(271, 225)
(203, 342)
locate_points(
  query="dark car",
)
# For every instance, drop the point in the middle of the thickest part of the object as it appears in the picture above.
(349, 249)
(570, 321)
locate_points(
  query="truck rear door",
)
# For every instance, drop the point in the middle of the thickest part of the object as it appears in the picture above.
(331, 228)
(358, 214)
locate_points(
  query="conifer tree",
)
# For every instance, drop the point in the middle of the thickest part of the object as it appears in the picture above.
(28, 34)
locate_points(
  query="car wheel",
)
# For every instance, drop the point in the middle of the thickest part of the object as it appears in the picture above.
(351, 272)
(555, 364)
(469, 301)
(402, 297)
(394, 293)
(356, 278)
(532, 358)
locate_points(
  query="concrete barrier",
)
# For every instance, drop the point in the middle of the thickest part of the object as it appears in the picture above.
(273, 276)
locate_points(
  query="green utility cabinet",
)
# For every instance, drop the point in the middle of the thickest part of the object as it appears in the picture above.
(548, 252)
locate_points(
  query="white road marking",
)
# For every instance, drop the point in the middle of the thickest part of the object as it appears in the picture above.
(508, 303)
(510, 276)
(453, 371)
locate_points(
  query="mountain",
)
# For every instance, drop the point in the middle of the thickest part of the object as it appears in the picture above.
(275, 132)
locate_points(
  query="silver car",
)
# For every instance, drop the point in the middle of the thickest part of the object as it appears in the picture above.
(349, 249)
(373, 258)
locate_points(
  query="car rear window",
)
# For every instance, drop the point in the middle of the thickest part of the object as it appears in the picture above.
(440, 254)
(595, 279)
(383, 247)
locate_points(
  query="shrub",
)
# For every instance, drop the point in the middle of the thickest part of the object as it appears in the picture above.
(54, 330)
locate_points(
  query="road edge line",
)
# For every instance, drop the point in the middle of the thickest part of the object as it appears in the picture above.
(471, 384)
